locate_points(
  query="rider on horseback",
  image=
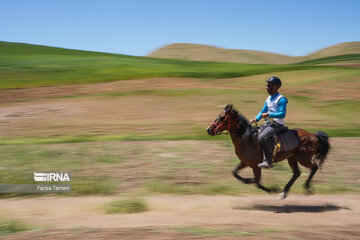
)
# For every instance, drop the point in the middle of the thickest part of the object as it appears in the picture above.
(274, 112)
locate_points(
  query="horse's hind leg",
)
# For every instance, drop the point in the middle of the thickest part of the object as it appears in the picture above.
(306, 162)
(236, 175)
(296, 173)
(307, 183)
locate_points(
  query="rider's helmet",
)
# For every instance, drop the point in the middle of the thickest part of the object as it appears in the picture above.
(274, 80)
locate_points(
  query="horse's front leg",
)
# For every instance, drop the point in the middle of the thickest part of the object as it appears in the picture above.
(257, 174)
(236, 175)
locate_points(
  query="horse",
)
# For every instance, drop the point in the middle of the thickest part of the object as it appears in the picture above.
(311, 149)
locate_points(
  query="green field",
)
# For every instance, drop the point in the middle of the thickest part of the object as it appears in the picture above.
(331, 59)
(138, 168)
(25, 65)
(146, 134)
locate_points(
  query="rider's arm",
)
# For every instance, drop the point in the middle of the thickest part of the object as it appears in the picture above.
(263, 110)
(281, 109)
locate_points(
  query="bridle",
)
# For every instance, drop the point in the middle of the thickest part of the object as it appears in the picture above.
(228, 119)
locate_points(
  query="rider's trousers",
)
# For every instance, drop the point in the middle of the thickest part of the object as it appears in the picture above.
(268, 130)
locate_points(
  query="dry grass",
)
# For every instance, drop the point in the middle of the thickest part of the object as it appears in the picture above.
(200, 52)
(337, 49)
(317, 100)
(174, 167)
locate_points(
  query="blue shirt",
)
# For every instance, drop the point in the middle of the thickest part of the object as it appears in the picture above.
(281, 108)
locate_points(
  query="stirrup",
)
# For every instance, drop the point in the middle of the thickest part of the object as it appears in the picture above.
(277, 146)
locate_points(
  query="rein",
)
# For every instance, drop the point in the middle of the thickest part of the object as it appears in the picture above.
(230, 124)
(227, 118)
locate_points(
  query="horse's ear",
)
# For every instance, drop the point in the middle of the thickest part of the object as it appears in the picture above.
(228, 107)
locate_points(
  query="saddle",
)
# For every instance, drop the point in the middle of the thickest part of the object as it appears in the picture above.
(286, 140)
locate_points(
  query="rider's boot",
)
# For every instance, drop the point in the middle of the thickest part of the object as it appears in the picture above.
(266, 164)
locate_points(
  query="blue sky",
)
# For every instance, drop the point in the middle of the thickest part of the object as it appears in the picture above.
(137, 27)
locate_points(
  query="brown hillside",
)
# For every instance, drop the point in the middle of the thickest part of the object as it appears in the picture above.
(198, 52)
(334, 50)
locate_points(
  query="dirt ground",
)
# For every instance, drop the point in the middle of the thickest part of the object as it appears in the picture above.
(49, 111)
(172, 217)
(37, 111)
(340, 90)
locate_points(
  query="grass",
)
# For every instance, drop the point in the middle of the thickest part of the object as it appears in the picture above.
(11, 226)
(131, 205)
(337, 117)
(341, 108)
(332, 132)
(167, 167)
(22, 162)
(216, 232)
(26, 65)
(298, 81)
(105, 138)
(308, 108)
(159, 158)
(332, 59)
(214, 188)
(211, 232)
(92, 186)
(172, 93)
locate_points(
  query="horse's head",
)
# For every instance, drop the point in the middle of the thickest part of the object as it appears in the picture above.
(226, 119)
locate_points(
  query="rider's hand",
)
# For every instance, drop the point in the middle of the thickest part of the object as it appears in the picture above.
(253, 121)
(265, 115)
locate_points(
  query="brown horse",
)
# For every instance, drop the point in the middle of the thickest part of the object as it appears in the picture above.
(310, 152)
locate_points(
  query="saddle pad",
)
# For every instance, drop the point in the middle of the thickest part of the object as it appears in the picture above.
(288, 140)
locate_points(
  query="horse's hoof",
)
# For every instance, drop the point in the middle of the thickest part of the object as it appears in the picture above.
(309, 192)
(283, 195)
(275, 189)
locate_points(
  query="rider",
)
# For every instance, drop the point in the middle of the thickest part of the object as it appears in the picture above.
(274, 112)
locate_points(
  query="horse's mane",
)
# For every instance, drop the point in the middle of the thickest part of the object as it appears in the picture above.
(249, 132)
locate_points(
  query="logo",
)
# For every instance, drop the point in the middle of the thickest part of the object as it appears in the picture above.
(52, 177)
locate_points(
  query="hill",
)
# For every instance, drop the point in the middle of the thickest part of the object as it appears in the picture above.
(198, 52)
(11, 49)
(346, 48)
(27, 65)
(208, 53)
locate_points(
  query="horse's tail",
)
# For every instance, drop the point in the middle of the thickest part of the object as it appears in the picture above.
(324, 148)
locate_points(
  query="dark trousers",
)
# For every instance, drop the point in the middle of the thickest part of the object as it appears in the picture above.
(268, 130)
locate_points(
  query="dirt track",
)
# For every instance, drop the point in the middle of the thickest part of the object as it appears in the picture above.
(333, 216)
